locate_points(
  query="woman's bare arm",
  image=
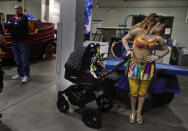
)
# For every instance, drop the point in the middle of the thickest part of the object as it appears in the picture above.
(131, 35)
(164, 52)
(165, 49)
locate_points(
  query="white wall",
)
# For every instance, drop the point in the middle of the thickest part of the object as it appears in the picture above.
(54, 11)
(32, 6)
(50, 11)
(113, 14)
(44, 10)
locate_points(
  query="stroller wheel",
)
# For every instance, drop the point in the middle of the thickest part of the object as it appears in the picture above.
(63, 105)
(91, 118)
(105, 104)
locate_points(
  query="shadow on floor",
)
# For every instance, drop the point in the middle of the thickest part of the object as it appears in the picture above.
(42, 79)
(3, 127)
(156, 119)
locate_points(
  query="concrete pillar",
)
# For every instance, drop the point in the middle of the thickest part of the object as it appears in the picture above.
(79, 36)
(70, 34)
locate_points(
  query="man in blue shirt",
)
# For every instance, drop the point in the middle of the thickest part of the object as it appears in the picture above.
(18, 27)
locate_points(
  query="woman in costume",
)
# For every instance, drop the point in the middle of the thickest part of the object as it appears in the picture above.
(141, 66)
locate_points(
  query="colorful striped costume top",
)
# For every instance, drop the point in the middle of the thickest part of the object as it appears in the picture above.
(138, 67)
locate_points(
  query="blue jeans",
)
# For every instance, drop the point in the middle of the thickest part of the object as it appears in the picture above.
(21, 57)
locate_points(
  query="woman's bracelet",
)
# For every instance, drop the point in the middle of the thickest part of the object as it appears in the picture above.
(159, 56)
(128, 50)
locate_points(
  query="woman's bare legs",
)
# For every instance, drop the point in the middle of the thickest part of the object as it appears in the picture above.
(134, 84)
(144, 84)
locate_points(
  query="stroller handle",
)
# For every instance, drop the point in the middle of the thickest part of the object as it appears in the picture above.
(125, 59)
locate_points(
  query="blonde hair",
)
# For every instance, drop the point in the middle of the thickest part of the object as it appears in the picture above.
(148, 22)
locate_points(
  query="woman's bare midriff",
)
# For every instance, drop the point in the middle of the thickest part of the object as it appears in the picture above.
(141, 54)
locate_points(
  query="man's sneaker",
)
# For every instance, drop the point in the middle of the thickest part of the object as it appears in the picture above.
(16, 77)
(25, 79)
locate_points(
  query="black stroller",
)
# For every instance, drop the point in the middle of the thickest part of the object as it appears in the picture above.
(85, 87)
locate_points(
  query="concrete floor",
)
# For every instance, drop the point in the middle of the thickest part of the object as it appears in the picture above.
(32, 107)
